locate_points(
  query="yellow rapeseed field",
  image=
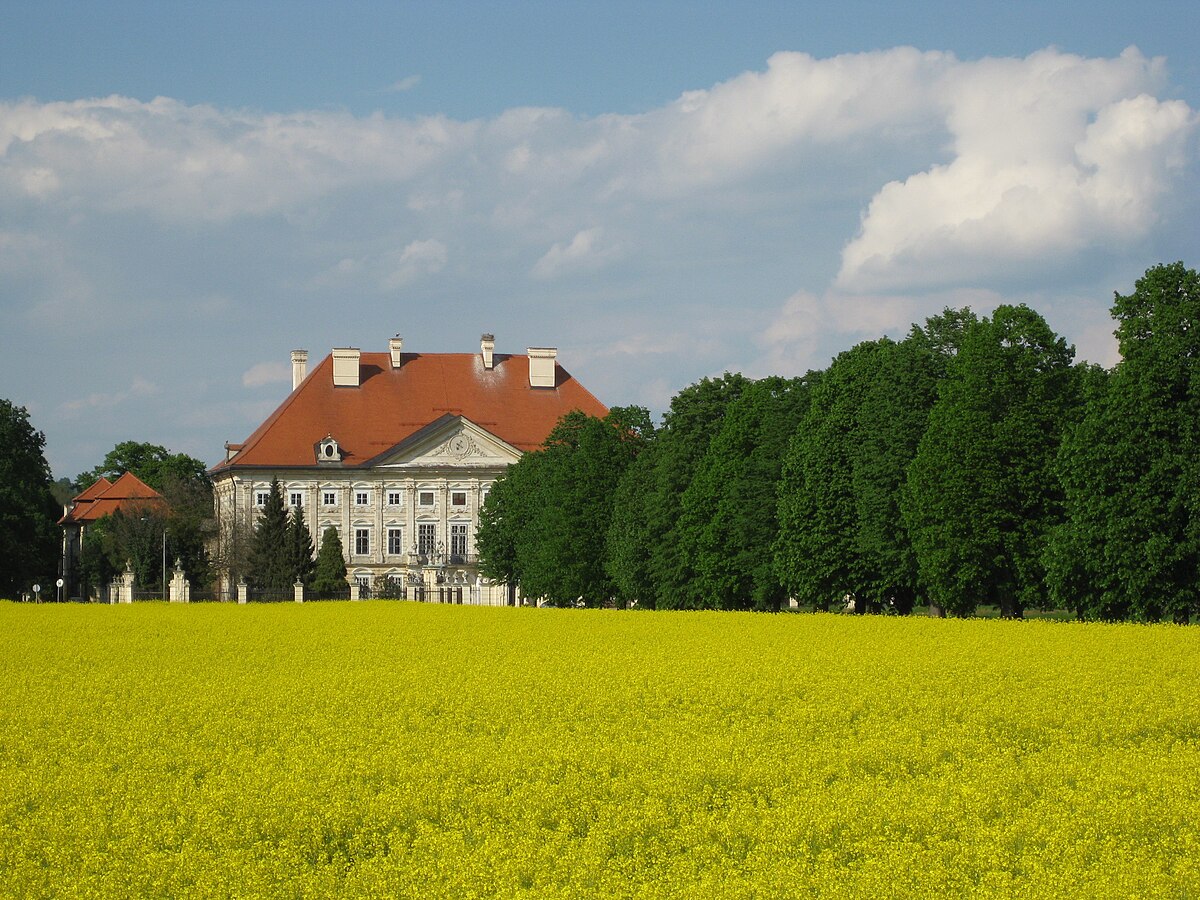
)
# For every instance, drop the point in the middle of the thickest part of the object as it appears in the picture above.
(396, 749)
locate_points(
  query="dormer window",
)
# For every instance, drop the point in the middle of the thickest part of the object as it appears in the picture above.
(328, 450)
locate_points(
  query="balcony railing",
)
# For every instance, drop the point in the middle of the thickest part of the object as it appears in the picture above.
(443, 559)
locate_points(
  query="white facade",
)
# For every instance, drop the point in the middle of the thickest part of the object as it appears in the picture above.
(407, 524)
(397, 451)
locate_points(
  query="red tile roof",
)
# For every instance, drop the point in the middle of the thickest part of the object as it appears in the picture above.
(390, 405)
(104, 498)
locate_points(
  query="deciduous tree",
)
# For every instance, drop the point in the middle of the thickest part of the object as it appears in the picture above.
(1130, 545)
(544, 522)
(29, 539)
(981, 494)
(152, 463)
(729, 519)
(652, 519)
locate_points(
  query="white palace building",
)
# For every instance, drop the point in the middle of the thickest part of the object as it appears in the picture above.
(397, 451)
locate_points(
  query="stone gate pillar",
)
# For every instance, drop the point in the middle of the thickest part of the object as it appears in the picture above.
(126, 589)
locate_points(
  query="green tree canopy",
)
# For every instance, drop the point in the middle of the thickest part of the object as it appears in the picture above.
(1130, 545)
(728, 521)
(544, 521)
(29, 538)
(645, 541)
(152, 463)
(815, 552)
(981, 494)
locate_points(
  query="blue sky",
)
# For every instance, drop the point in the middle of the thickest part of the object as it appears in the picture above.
(663, 191)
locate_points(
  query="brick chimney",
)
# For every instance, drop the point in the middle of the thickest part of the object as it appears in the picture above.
(395, 345)
(487, 344)
(299, 367)
(541, 366)
(345, 366)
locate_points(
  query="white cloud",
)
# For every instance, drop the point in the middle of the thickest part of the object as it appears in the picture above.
(177, 161)
(586, 252)
(1053, 154)
(869, 188)
(139, 389)
(416, 260)
(404, 84)
(790, 341)
(267, 373)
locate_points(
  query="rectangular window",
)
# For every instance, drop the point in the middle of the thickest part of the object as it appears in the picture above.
(426, 498)
(426, 537)
(329, 498)
(362, 541)
(295, 498)
(393, 498)
(395, 541)
(362, 498)
(458, 498)
(260, 497)
(458, 543)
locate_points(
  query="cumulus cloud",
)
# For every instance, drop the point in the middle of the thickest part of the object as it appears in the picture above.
(1053, 154)
(867, 188)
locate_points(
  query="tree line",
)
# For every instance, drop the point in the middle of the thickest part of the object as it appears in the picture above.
(972, 463)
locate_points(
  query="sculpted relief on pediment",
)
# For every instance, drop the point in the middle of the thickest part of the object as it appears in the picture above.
(462, 444)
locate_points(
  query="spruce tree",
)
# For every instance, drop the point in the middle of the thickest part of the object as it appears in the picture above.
(300, 546)
(329, 572)
(270, 553)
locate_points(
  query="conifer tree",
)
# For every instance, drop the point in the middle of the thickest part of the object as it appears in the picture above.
(270, 553)
(329, 573)
(300, 546)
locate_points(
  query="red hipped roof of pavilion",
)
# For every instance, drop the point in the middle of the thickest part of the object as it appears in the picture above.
(103, 498)
(392, 404)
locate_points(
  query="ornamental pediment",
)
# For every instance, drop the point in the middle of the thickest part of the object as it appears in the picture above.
(452, 441)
